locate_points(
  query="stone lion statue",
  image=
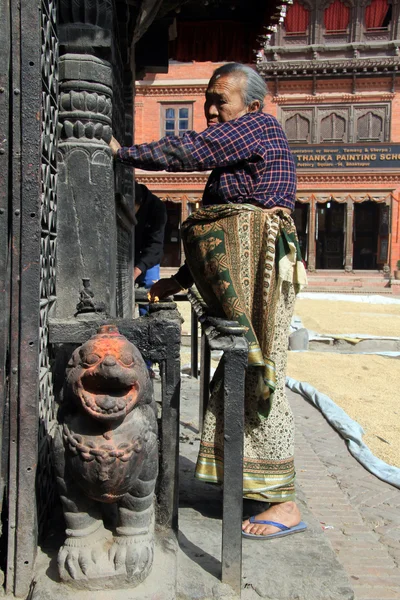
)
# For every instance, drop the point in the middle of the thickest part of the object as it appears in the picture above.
(106, 453)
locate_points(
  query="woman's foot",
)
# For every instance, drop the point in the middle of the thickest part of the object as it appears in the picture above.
(253, 507)
(286, 513)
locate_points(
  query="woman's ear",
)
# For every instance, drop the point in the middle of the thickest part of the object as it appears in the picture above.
(254, 106)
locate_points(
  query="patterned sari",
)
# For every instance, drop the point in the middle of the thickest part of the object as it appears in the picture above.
(247, 266)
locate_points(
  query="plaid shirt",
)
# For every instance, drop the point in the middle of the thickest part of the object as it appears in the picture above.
(249, 157)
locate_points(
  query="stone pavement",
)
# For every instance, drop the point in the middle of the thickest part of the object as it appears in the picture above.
(363, 511)
(347, 509)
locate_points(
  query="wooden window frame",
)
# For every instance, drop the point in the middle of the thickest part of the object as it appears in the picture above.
(315, 113)
(175, 105)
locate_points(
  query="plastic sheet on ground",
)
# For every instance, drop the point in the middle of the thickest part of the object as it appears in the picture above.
(352, 338)
(349, 429)
(367, 299)
(355, 337)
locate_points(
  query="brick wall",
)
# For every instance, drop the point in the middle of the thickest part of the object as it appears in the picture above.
(153, 90)
(192, 70)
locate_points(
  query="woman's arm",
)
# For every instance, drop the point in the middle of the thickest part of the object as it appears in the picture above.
(168, 287)
(220, 145)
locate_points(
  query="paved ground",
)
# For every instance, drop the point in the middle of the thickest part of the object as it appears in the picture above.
(358, 515)
(363, 511)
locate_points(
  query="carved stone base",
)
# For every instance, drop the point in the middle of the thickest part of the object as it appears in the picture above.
(162, 577)
(106, 562)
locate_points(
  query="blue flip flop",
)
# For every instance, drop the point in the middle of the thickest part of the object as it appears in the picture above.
(284, 530)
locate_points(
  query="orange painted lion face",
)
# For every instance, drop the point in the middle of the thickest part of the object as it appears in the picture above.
(107, 374)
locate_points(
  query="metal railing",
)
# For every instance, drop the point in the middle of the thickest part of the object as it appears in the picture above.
(226, 337)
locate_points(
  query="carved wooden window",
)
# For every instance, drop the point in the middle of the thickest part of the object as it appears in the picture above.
(336, 17)
(176, 119)
(333, 124)
(370, 124)
(297, 124)
(297, 19)
(378, 15)
(324, 124)
(298, 128)
(333, 128)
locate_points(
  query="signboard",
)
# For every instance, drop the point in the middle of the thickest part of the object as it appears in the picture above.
(356, 156)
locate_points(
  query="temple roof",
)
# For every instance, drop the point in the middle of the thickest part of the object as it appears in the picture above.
(302, 68)
(215, 30)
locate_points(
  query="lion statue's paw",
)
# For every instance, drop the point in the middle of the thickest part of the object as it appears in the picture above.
(84, 557)
(132, 554)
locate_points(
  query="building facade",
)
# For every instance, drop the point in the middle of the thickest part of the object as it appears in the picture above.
(331, 70)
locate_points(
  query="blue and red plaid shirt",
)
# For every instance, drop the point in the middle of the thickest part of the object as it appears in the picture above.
(249, 157)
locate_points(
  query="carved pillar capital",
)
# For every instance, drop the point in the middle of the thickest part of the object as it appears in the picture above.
(85, 114)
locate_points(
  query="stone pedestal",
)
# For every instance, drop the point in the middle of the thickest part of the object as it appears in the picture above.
(159, 585)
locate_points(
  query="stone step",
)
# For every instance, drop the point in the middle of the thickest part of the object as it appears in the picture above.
(349, 280)
(273, 569)
(343, 276)
(343, 273)
(348, 289)
(349, 284)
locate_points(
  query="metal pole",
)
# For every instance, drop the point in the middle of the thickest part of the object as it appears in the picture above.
(234, 362)
(29, 298)
(194, 343)
(15, 218)
(204, 379)
(170, 371)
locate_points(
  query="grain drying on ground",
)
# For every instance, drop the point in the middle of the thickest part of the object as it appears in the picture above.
(365, 386)
(328, 316)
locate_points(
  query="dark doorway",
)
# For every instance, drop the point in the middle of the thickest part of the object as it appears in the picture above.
(365, 235)
(330, 235)
(300, 217)
(172, 237)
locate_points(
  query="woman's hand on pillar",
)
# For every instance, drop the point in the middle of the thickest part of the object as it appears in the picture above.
(163, 288)
(114, 146)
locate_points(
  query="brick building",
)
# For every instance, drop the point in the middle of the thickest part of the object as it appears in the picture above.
(331, 69)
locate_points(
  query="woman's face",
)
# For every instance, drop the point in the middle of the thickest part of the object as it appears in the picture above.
(224, 100)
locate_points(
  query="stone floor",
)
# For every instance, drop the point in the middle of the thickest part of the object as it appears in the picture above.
(352, 545)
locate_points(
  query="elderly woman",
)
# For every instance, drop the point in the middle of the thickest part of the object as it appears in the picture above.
(242, 253)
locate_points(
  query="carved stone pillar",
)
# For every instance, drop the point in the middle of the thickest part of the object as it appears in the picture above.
(124, 188)
(395, 20)
(348, 260)
(117, 419)
(318, 25)
(356, 22)
(86, 206)
(311, 237)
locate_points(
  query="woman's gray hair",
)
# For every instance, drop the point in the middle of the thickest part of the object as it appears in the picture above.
(255, 89)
